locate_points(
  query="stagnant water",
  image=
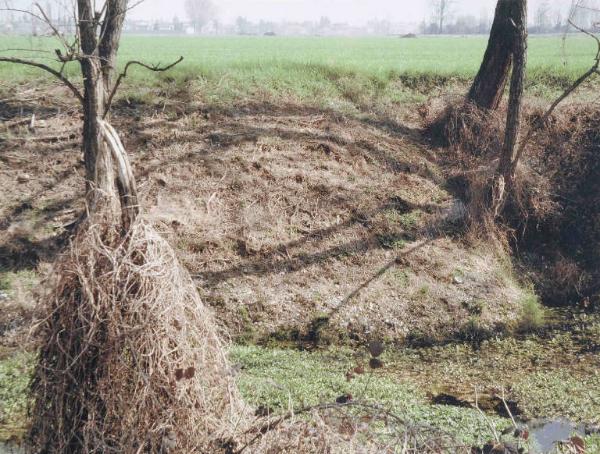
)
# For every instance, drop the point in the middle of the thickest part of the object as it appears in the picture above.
(548, 433)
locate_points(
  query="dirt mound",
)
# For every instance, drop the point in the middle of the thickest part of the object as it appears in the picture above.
(302, 219)
(285, 216)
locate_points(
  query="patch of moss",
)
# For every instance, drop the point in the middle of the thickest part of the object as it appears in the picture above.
(15, 373)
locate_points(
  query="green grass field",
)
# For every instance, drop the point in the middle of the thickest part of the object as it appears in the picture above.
(377, 57)
(355, 70)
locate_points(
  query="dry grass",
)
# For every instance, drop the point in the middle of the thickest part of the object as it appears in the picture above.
(566, 157)
(553, 208)
(463, 126)
(291, 211)
(281, 213)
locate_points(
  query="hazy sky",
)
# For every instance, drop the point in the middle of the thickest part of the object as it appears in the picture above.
(352, 11)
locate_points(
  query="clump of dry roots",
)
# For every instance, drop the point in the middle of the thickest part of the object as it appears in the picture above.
(131, 360)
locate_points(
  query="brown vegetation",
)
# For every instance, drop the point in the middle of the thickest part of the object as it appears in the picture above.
(565, 240)
(125, 319)
(282, 213)
(553, 210)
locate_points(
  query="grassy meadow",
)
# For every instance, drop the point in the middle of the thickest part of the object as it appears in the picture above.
(322, 69)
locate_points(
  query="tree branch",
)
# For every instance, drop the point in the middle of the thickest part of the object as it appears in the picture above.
(46, 68)
(155, 68)
(271, 425)
(542, 120)
(24, 11)
(110, 33)
(52, 27)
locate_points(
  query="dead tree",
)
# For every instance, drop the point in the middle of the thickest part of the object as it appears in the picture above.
(490, 82)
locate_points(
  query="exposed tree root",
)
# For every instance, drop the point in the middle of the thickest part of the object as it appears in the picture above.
(131, 360)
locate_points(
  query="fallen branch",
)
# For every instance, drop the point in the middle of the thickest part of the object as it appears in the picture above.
(485, 418)
(512, 418)
(14, 124)
(377, 410)
(55, 138)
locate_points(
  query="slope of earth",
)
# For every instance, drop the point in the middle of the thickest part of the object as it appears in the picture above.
(299, 224)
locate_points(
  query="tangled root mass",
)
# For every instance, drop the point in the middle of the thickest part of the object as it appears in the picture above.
(131, 360)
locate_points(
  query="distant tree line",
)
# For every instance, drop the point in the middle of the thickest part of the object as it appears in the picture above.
(546, 17)
(202, 18)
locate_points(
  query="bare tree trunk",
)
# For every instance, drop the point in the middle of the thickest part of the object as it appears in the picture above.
(110, 37)
(98, 164)
(490, 82)
(97, 68)
(509, 159)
